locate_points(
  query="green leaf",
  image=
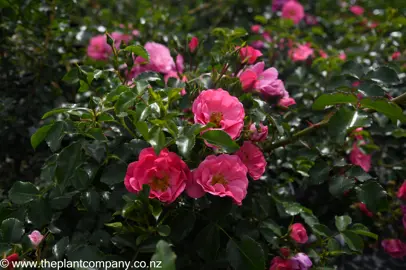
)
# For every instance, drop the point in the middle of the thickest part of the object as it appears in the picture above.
(164, 230)
(71, 76)
(40, 213)
(138, 51)
(373, 195)
(399, 133)
(68, 160)
(165, 255)
(182, 225)
(185, 144)
(157, 139)
(207, 242)
(345, 119)
(68, 109)
(142, 128)
(353, 69)
(388, 108)
(342, 222)
(339, 184)
(247, 255)
(353, 241)
(40, 135)
(363, 230)
(80, 179)
(12, 230)
(23, 192)
(319, 172)
(332, 99)
(55, 136)
(371, 89)
(270, 224)
(221, 139)
(358, 173)
(384, 74)
(125, 101)
(91, 201)
(322, 230)
(292, 208)
(113, 174)
(58, 250)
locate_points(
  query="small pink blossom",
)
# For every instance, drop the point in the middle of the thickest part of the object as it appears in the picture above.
(160, 59)
(267, 37)
(323, 54)
(402, 192)
(357, 157)
(193, 44)
(120, 38)
(394, 247)
(98, 48)
(226, 112)
(298, 233)
(357, 10)
(36, 237)
(264, 81)
(253, 158)
(257, 44)
(364, 209)
(166, 174)
(279, 263)
(286, 101)
(223, 175)
(396, 55)
(301, 262)
(293, 10)
(301, 52)
(342, 56)
(256, 28)
(249, 55)
(310, 19)
(258, 135)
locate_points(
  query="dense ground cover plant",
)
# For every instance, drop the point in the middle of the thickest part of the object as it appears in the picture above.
(272, 141)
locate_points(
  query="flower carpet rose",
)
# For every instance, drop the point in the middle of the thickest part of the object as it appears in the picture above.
(258, 134)
(221, 109)
(394, 247)
(223, 175)
(249, 55)
(36, 237)
(301, 52)
(293, 10)
(253, 158)
(166, 174)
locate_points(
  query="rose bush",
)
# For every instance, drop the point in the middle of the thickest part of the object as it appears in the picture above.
(230, 135)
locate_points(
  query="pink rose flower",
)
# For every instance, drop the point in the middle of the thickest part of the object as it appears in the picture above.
(253, 158)
(279, 263)
(267, 37)
(166, 174)
(120, 37)
(357, 10)
(402, 192)
(258, 135)
(394, 247)
(193, 44)
(395, 55)
(255, 28)
(301, 262)
(364, 209)
(323, 54)
(301, 52)
(264, 81)
(286, 101)
(98, 48)
(36, 237)
(220, 108)
(357, 157)
(293, 10)
(342, 56)
(160, 59)
(298, 233)
(223, 175)
(249, 55)
(257, 44)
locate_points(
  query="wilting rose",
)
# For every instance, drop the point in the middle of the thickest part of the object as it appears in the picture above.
(166, 174)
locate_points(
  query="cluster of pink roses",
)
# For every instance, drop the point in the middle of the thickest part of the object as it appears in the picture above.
(222, 175)
(298, 262)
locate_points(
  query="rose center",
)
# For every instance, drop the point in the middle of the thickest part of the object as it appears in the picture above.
(218, 179)
(160, 184)
(216, 118)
